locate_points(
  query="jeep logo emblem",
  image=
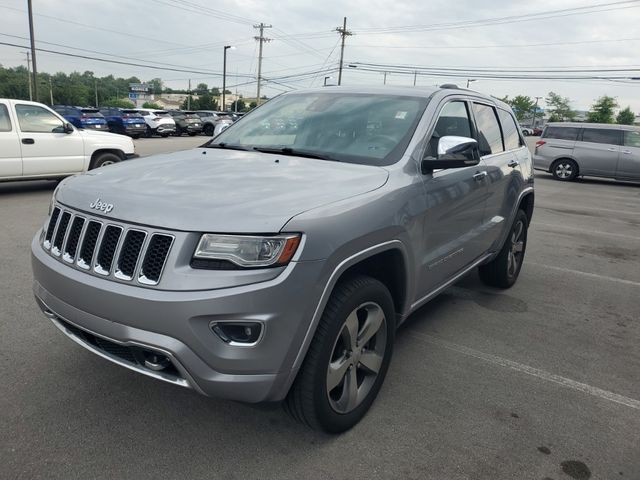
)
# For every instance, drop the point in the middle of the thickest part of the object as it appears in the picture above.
(102, 206)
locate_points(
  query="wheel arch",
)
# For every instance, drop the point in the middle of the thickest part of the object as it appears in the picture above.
(101, 151)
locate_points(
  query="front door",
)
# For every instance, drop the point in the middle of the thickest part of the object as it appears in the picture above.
(629, 162)
(46, 148)
(454, 205)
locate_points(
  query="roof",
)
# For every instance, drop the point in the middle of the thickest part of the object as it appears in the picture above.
(613, 126)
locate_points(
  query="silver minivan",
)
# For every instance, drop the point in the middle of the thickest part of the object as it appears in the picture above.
(569, 150)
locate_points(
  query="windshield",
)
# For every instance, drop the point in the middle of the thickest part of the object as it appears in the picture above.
(369, 129)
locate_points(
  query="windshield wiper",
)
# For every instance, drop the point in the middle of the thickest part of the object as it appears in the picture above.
(294, 152)
(227, 146)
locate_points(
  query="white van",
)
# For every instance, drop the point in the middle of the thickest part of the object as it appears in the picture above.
(36, 142)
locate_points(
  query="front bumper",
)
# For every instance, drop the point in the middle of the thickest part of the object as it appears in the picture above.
(176, 324)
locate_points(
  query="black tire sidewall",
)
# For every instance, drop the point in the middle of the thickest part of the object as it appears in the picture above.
(329, 419)
(103, 157)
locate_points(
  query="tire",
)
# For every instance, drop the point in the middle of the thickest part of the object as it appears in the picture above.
(104, 159)
(135, 136)
(164, 135)
(148, 133)
(208, 130)
(503, 271)
(564, 169)
(357, 302)
(192, 134)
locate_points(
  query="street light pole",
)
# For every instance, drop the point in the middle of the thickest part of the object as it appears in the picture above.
(535, 110)
(224, 77)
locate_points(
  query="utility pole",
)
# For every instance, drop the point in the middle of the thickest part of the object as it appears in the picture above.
(535, 110)
(33, 51)
(189, 96)
(95, 86)
(29, 76)
(344, 33)
(50, 91)
(415, 77)
(260, 39)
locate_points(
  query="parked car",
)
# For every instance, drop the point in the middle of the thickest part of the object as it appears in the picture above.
(266, 267)
(572, 150)
(125, 121)
(159, 122)
(526, 131)
(186, 122)
(83, 117)
(36, 142)
(537, 131)
(213, 122)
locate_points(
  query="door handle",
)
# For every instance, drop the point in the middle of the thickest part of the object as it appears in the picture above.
(479, 175)
(28, 141)
(612, 149)
(513, 163)
(626, 152)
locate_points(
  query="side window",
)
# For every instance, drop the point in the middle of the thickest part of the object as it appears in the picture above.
(631, 138)
(489, 136)
(35, 119)
(602, 135)
(561, 133)
(453, 120)
(5, 121)
(509, 130)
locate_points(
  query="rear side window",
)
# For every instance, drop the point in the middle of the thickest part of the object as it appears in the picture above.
(602, 135)
(509, 130)
(5, 122)
(631, 138)
(35, 119)
(562, 133)
(489, 136)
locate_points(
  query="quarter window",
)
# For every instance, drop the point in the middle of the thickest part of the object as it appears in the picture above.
(509, 131)
(5, 122)
(35, 119)
(631, 138)
(489, 136)
(561, 133)
(453, 120)
(602, 135)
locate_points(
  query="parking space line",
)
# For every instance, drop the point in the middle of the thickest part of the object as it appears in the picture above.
(582, 230)
(536, 372)
(585, 274)
(582, 207)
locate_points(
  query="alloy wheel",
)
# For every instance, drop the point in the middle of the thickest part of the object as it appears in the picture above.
(514, 256)
(564, 170)
(357, 357)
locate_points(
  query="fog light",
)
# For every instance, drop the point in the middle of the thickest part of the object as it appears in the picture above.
(241, 333)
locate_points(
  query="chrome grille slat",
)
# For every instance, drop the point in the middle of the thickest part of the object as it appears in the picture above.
(109, 250)
(60, 234)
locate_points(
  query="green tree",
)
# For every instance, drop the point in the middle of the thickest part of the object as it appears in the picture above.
(152, 105)
(240, 105)
(559, 107)
(522, 105)
(602, 110)
(201, 88)
(253, 105)
(118, 103)
(156, 85)
(626, 117)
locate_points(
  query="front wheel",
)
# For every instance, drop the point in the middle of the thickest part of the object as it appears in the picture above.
(348, 357)
(503, 271)
(103, 160)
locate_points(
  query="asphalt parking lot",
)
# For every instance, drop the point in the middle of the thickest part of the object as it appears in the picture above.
(538, 382)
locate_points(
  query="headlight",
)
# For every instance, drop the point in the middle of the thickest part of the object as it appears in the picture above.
(247, 250)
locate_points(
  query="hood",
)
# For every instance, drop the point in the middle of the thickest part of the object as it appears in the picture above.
(214, 190)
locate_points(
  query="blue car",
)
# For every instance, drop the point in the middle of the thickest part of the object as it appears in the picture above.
(83, 117)
(124, 121)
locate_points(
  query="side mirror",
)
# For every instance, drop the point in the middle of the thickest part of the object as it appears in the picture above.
(68, 128)
(453, 152)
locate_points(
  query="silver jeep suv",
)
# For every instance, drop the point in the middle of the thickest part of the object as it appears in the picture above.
(275, 264)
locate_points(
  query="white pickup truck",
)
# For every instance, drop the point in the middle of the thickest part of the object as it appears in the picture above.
(36, 142)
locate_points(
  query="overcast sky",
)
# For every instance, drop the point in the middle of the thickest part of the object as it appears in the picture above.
(303, 40)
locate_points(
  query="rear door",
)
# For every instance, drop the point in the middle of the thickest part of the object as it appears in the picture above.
(629, 161)
(46, 148)
(454, 205)
(10, 156)
(503, 149)
(597, 151)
